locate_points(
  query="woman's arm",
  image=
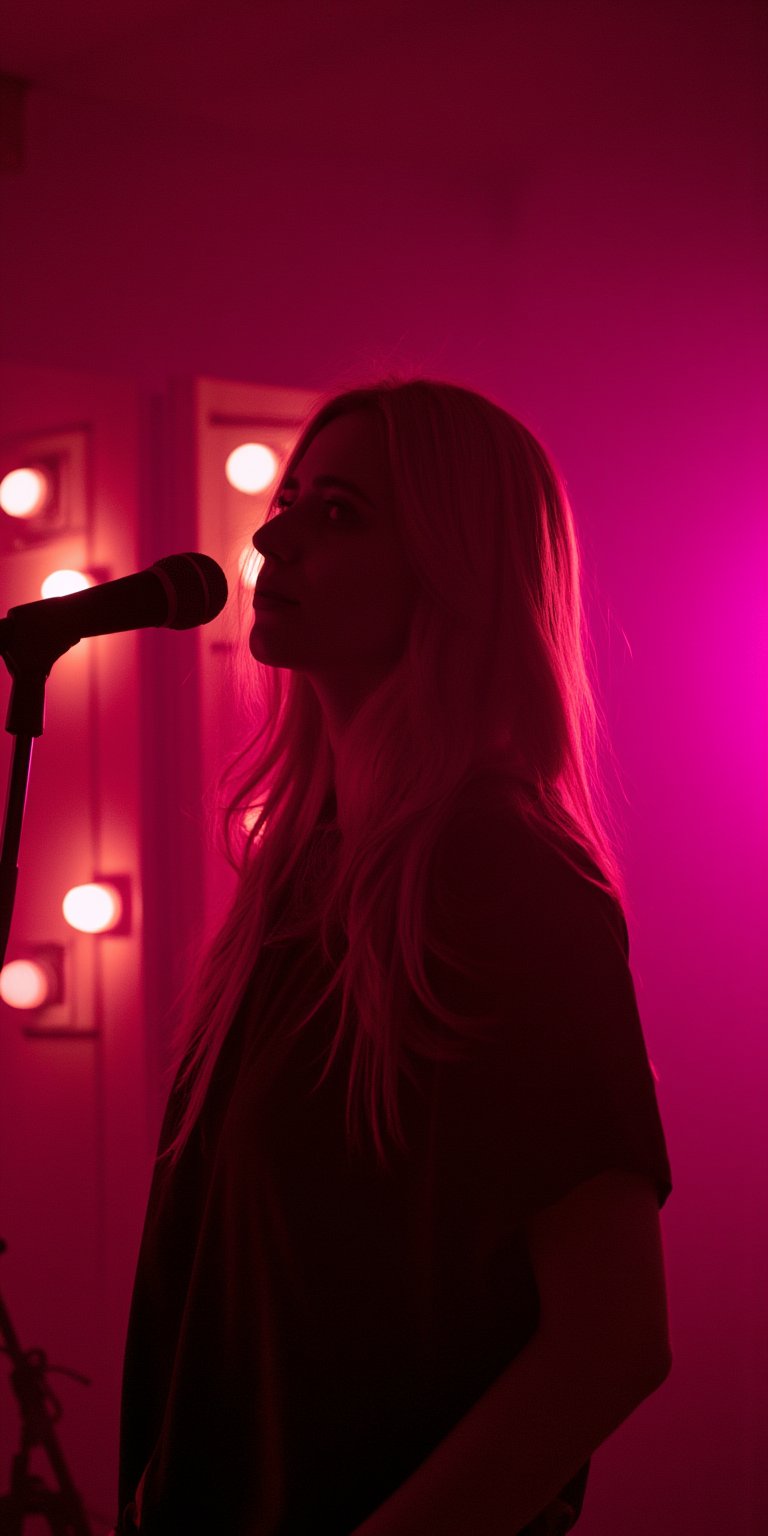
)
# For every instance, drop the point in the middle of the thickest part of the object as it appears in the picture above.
(601, 1348)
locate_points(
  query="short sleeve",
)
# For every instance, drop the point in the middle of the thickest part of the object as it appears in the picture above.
(562, 1089)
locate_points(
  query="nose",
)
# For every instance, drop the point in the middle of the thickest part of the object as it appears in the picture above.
(269, 539)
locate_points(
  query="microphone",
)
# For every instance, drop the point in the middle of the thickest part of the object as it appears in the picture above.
(177, 592)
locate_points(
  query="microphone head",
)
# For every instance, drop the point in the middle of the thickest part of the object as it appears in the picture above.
(196, 588)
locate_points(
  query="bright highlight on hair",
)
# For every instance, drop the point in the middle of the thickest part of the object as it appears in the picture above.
(24, 492)
(61, 583)
(93, 908)
(26, 984)
(250, 817)
(251, 468)
(249, 564)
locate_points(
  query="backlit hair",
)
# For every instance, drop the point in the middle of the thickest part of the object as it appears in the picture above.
(497, 663)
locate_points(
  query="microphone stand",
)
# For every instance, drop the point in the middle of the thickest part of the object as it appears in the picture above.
(62, 1507)
(29, 659)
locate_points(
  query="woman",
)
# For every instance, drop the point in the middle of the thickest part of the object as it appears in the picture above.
(401, 1271)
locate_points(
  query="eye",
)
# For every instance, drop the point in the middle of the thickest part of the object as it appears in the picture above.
(334, 510)
(339, 507)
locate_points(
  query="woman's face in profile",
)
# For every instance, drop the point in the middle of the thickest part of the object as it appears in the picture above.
(332, 548)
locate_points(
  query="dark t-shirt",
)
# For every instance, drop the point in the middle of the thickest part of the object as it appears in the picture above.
(306, 1328)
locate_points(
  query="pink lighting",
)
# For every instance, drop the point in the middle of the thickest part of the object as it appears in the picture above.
(93, 908)
(218, 218)
(27, 984)
(251, 468)
(61, 583)
(24, 492)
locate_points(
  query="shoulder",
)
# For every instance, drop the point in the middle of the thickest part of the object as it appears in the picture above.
(514, 885)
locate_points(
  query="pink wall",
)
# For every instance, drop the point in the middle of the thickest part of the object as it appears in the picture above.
(606, 282)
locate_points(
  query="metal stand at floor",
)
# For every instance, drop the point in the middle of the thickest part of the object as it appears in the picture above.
(39, 1409)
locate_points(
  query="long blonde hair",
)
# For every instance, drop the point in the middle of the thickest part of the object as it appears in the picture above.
(498, 662)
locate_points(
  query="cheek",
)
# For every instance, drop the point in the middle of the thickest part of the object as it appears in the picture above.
(390, 609)
(367, 590)
(367, 618)
(380, 589)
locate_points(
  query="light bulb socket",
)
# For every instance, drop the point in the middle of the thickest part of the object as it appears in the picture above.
(63, 458)
(50, 959)
(53, 1019)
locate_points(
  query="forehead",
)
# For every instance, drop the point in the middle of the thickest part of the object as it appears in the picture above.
(353, 446)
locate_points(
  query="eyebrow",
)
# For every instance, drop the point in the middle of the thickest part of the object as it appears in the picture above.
(328, 480)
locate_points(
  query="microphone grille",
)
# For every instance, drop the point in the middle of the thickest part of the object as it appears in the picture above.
(196, 588)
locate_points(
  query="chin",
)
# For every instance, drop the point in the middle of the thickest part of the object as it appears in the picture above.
(268, 655)
(255, 648)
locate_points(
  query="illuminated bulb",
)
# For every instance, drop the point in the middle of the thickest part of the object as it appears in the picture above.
(26, 983)
(251, 467)
(93, 908)
(60, 583)
(24, 492)
(250, 564)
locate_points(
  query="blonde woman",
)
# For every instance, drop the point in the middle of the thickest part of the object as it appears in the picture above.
(402, 1272)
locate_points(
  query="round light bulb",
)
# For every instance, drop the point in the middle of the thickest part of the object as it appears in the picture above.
(61, 583)
(251, 468)
(24, 492)
(26, 983)
(93, 908)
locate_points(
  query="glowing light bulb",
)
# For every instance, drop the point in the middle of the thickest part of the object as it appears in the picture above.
(251, 467)
(26, 983)
(60, 583)
(24, 492)
(249, 564)
(93, 908)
